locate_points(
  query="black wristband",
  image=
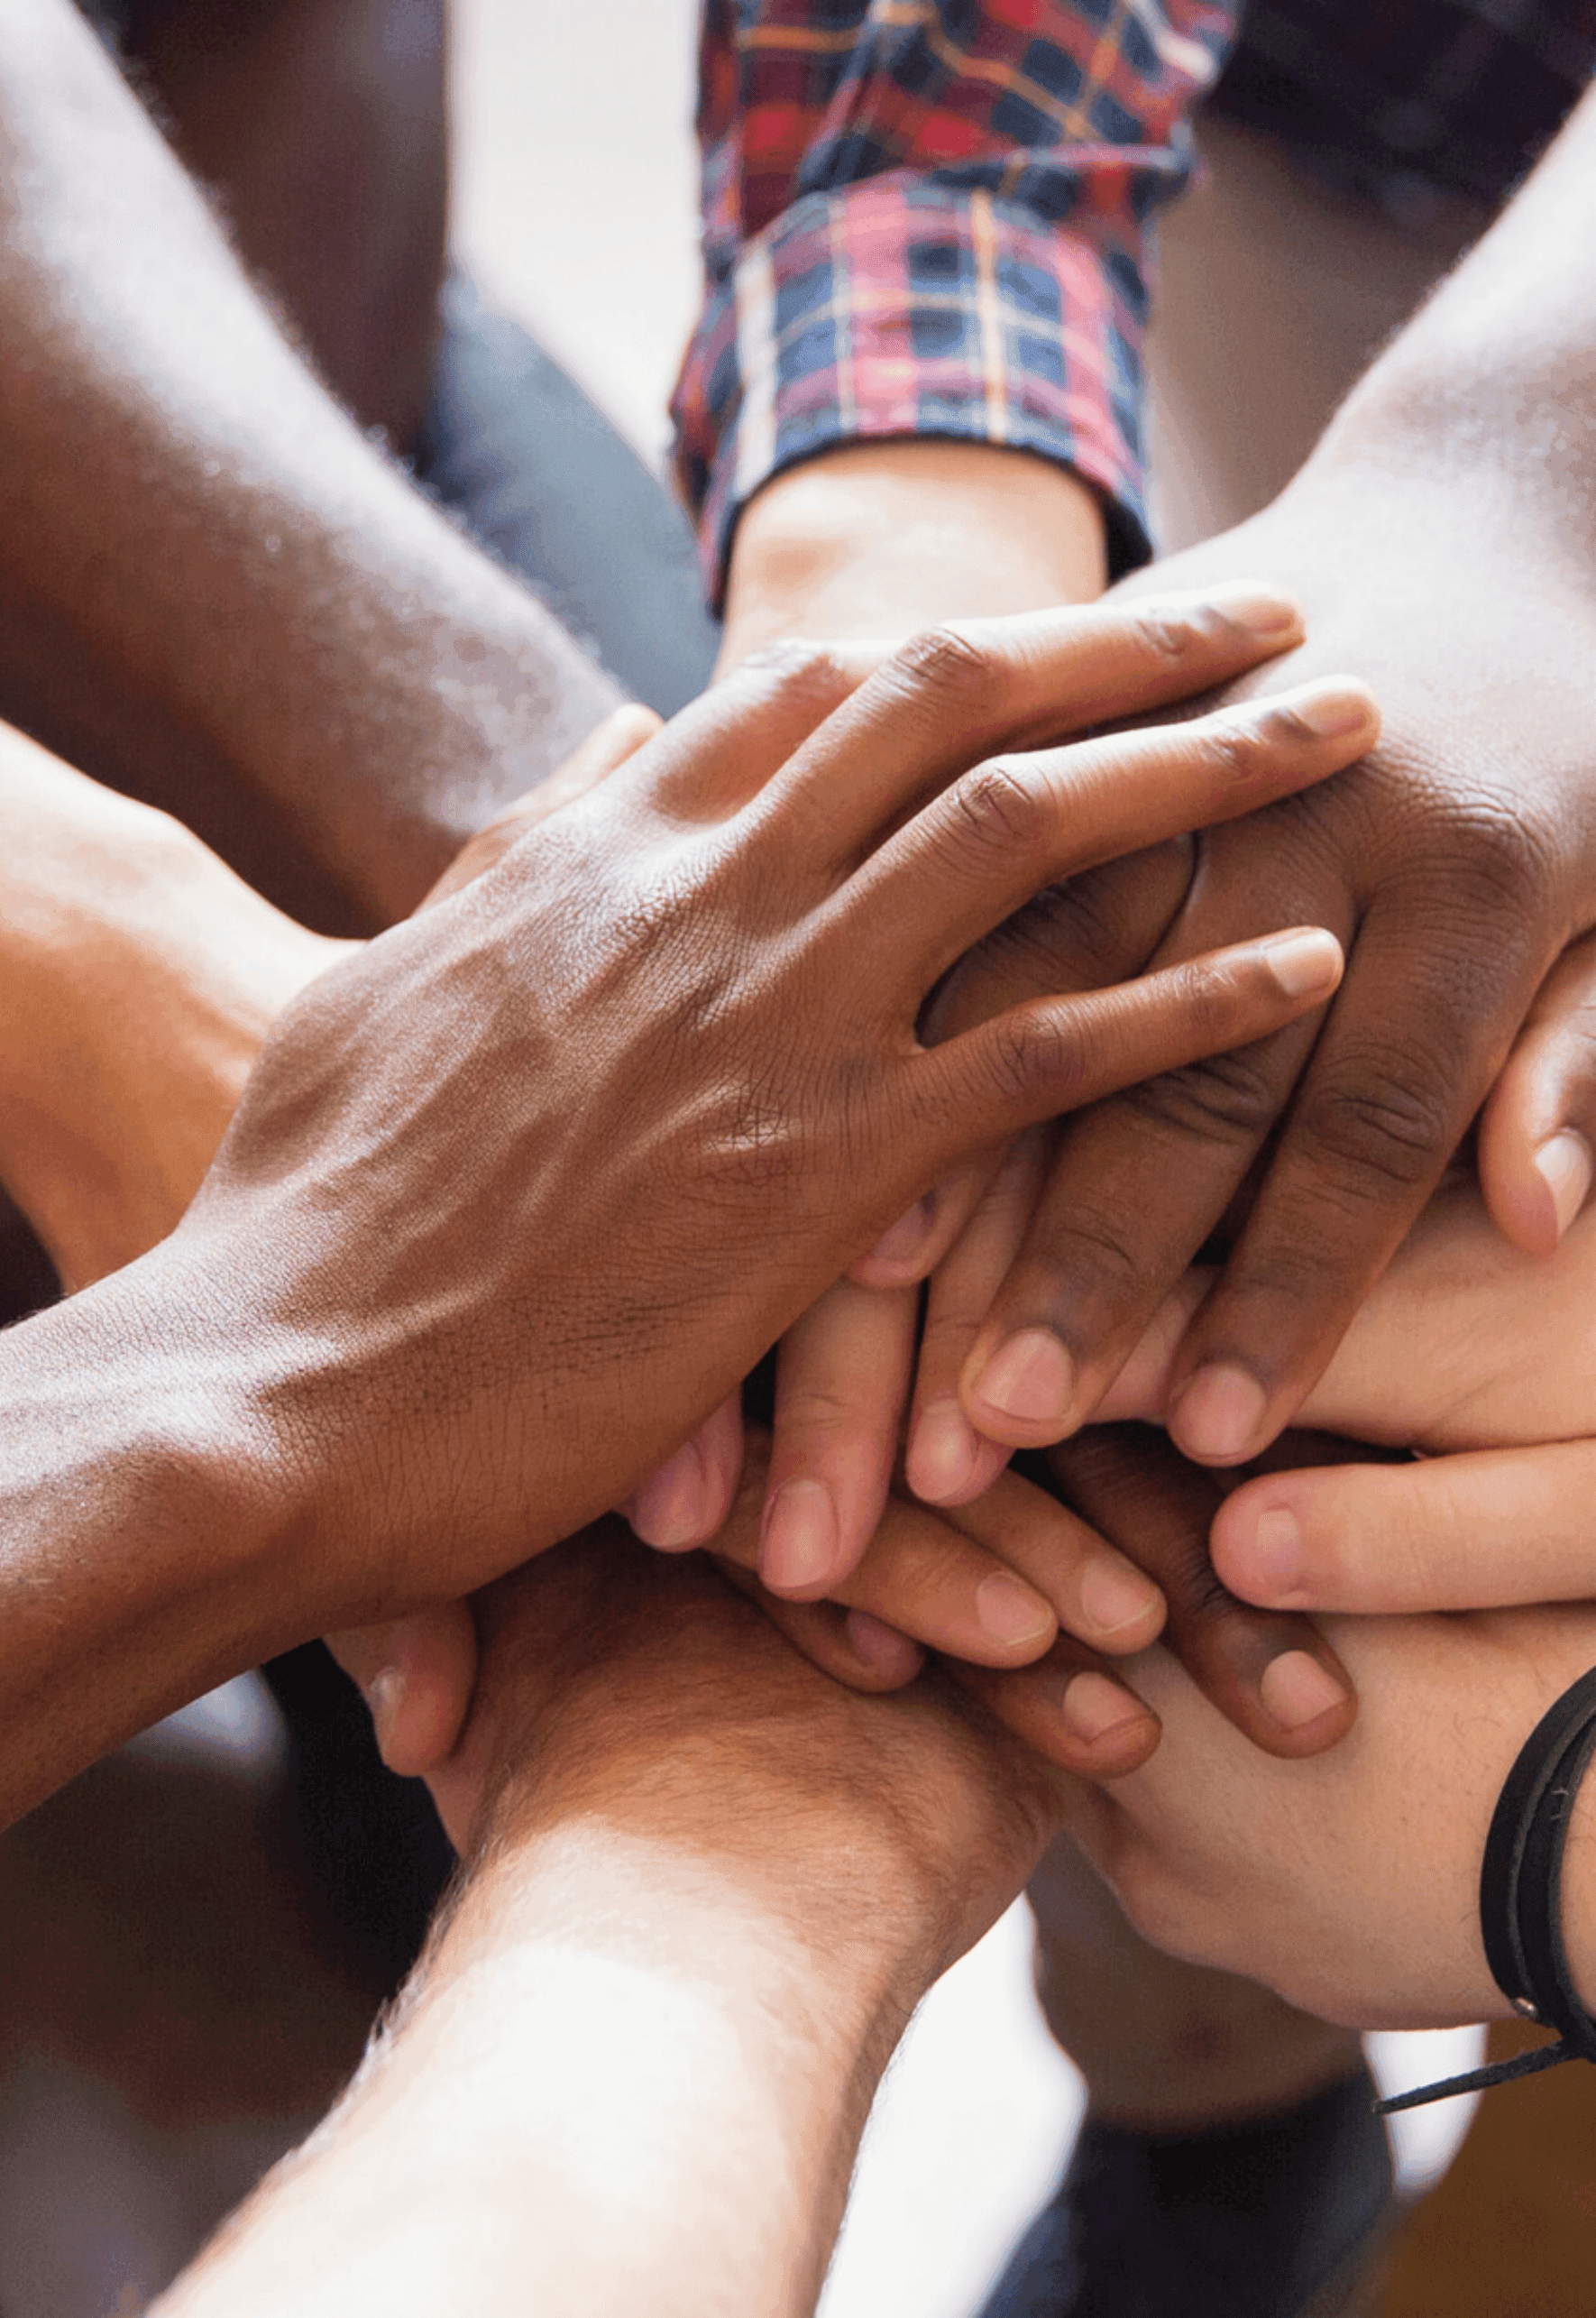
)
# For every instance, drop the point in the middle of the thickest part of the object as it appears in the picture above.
(1521, 1895)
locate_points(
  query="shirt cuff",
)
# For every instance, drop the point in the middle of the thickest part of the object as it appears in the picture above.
(902, 307)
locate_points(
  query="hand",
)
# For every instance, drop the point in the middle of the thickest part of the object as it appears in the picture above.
(991, 1585)
(844, 1374)
(1463, 855)
(647, 1692)
(1349, 1883)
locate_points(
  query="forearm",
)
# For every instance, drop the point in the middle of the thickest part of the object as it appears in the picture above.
(878, 539)
(625, 2080)
(139, 1561)
(1491, 384)
(211, 583)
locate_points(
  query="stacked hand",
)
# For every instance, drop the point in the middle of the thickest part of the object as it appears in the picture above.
(884, 907)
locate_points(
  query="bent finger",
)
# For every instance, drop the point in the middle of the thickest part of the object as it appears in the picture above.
(1538, 1131)
(684, 1502)
(946, 1461)
(842, 1378)
(1274, 1677)
(1481, 1529)
(1069, 1709)
(1097, 930)
(1403, 1062)
(416, 1676)
(849, 1645)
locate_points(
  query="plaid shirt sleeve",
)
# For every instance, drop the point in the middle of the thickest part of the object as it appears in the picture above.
(929, 217)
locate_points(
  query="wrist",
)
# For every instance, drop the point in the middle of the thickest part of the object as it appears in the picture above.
(877, 539)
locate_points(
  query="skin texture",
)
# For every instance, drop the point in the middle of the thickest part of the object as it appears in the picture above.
(1460, 855)
(748, 1862)
(387, 1355)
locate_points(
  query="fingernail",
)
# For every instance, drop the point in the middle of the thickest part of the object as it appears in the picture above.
(881, 1649)
(904, 1242)
(1010, 1612)
(668, 1511)
(385, 1696)
(1029, 1380)
(1274, 1561)
(1330, 706)
(1564, 1165)
(1113, 1597)
(1309, 958)
(1295, 1690)
(1261, 610)
(801, 1541)
(943, 1452)
(1219, 1415)
(1093, 1706)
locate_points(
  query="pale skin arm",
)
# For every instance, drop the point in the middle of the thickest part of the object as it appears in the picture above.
(216, 592)
(635, 2065)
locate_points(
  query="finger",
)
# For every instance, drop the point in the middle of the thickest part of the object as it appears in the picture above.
(1482, 1530)
(929, 1581)
(1069, 1709)
(948, 696)
(849, 1645)
(946, 1461)
(1097, 929)
(1274, 1677)
(1053, 1056)
(1015, 824)
(416, 1676)
(1097, 1593)
(723, 748)
(1387, 1099)
(1537, 1132)
(842, 1378)
(619, 736)
(685, 1503)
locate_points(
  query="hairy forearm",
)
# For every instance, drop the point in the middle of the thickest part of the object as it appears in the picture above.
(880, 539)
(625, 2080)
(213, 589)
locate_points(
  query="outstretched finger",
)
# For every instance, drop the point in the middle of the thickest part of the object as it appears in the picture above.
(1538, 1131)
(1016, 824)
(1481, 1529)
(1058, 1055)
(948, 697)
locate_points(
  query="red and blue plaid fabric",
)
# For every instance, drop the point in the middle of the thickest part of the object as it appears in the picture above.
(928, 217)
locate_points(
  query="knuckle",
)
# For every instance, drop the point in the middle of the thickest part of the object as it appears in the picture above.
(1232, 1098)
(1098, 1258)
(996, 810)
(1037, 1055)
(947, 662)
(1386, 1122)
(795, 666)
